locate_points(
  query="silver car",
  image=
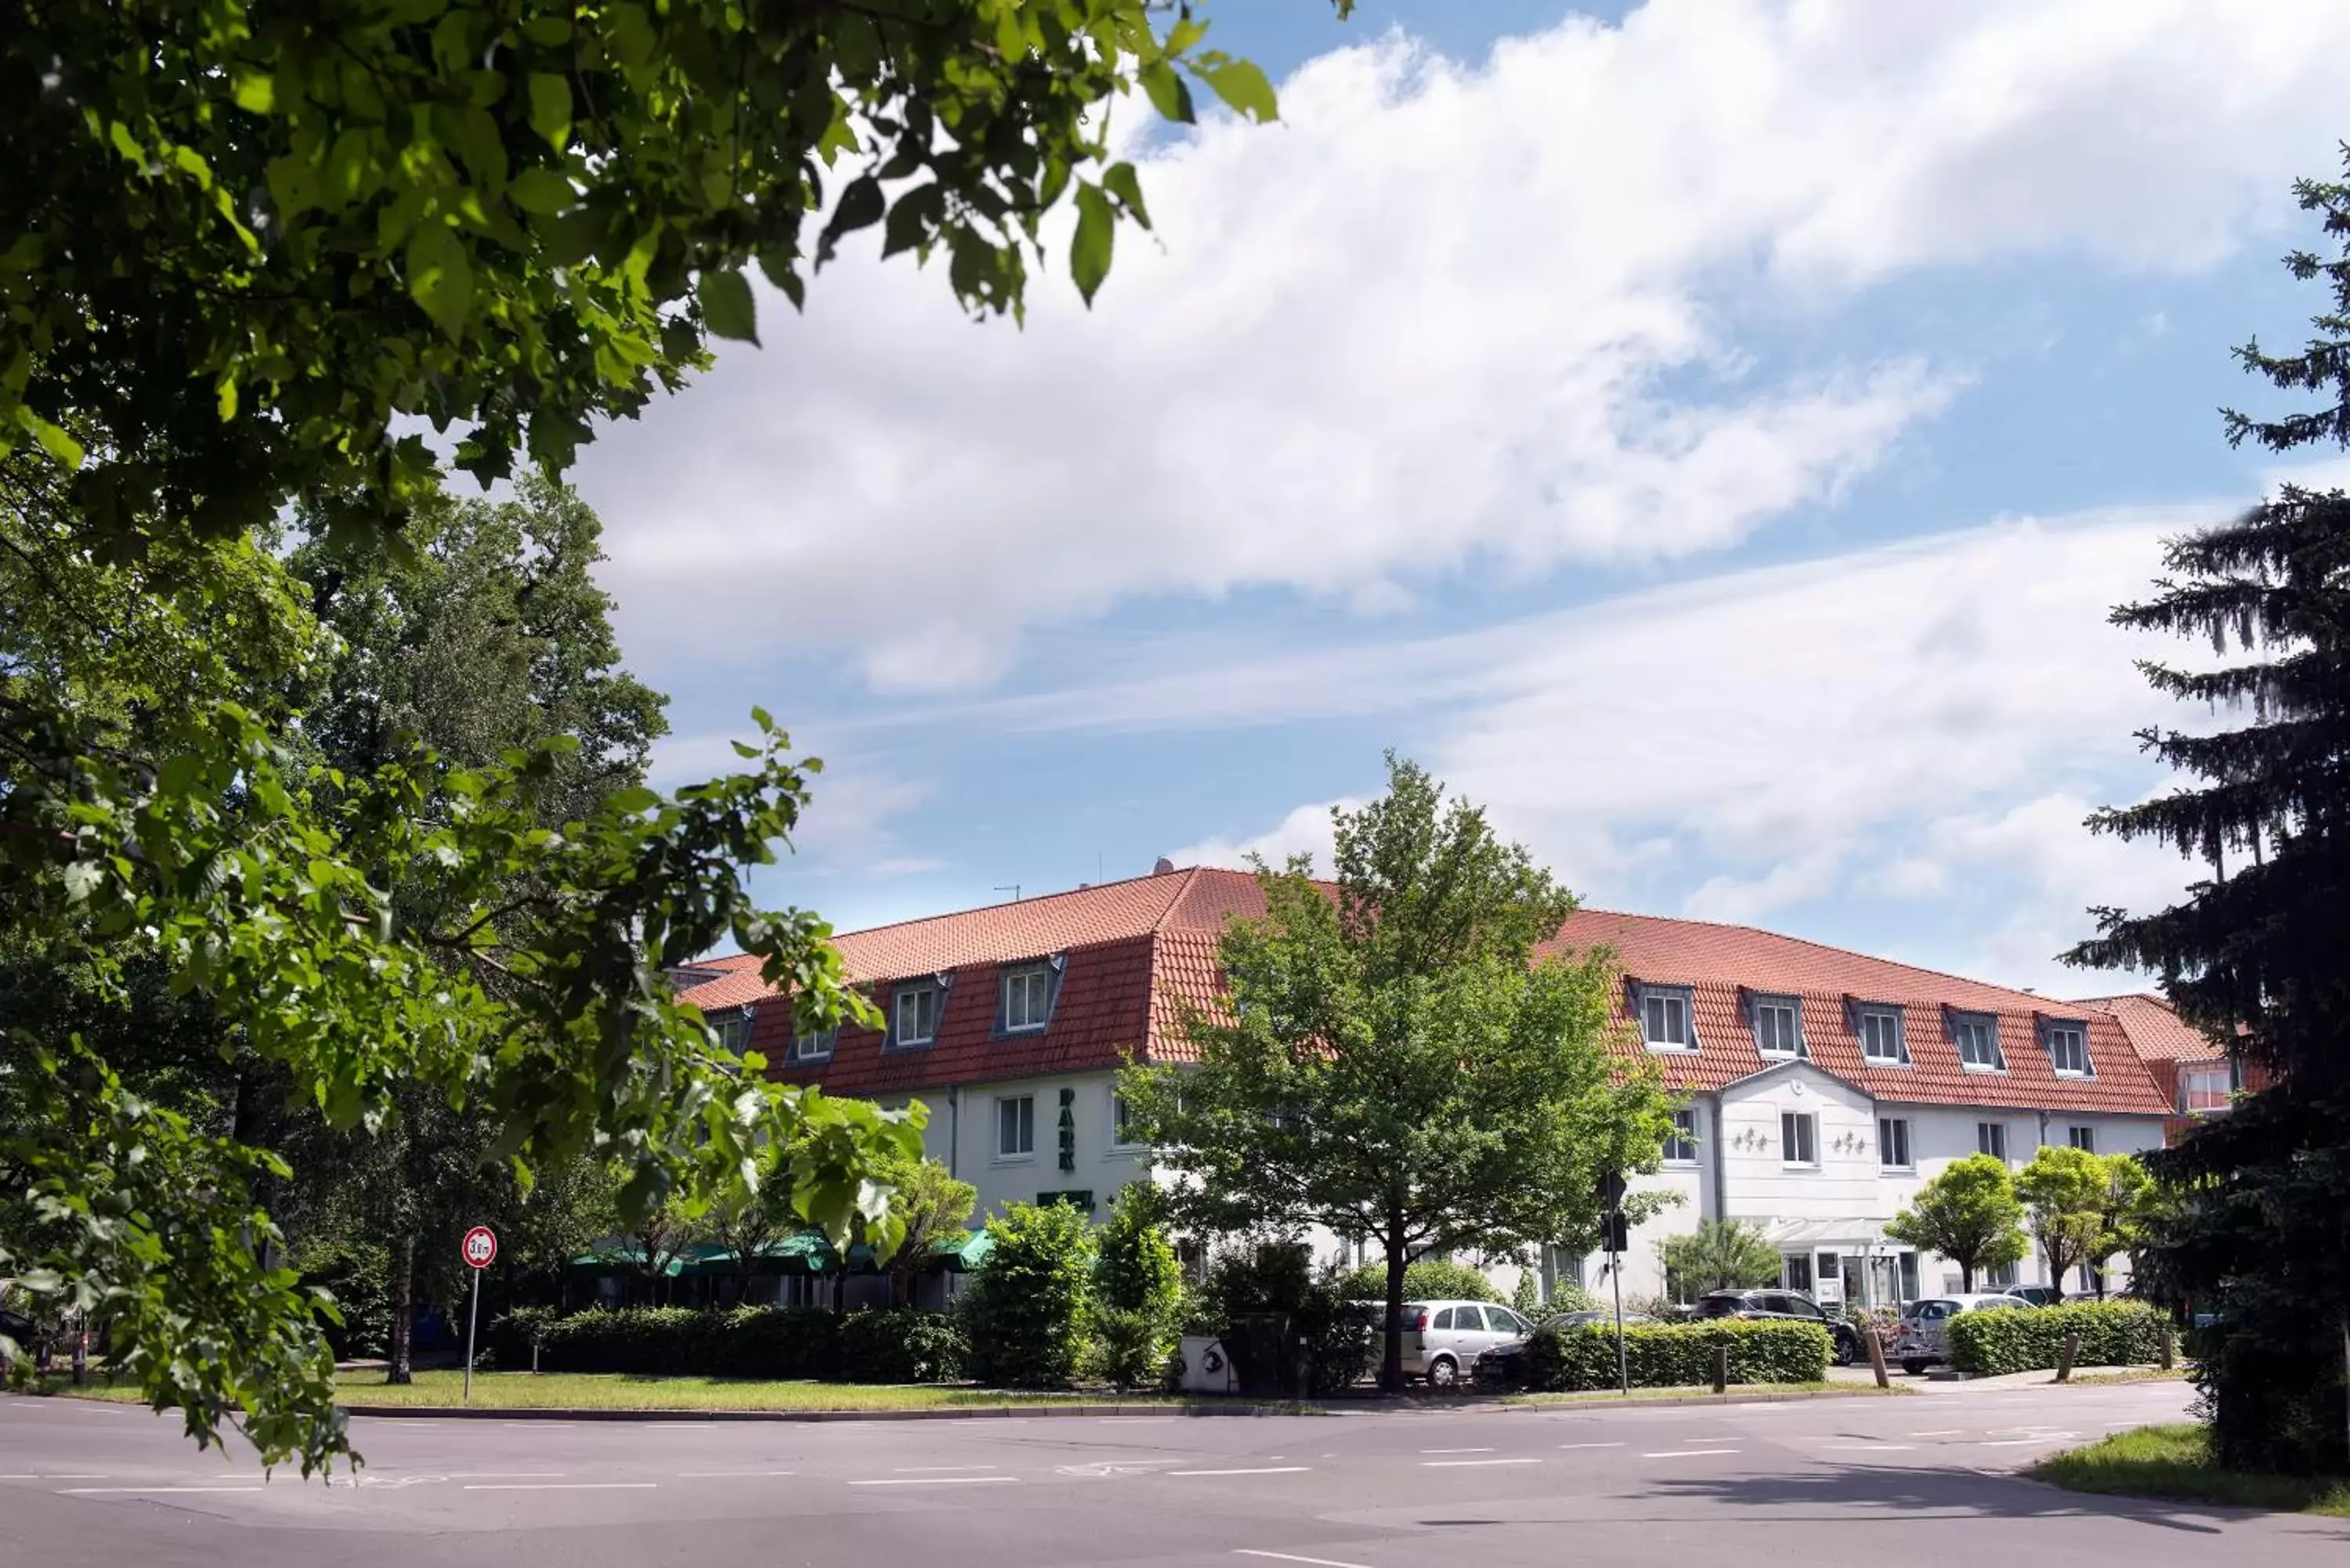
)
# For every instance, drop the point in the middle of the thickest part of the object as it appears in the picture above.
(1925, 1336)
(1442, 1340)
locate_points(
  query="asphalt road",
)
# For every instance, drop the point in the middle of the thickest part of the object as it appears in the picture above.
(1916, 1482)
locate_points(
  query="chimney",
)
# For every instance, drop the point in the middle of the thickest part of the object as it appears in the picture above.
(1164, 867)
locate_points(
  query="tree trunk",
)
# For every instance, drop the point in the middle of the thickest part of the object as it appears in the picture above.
(403, 1311)
(1966, 1277)
(1391, 1351)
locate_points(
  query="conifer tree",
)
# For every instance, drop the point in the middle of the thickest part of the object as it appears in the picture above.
(2255, 954)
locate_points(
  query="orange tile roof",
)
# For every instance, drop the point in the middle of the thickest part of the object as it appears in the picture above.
(1139, 950)
(2155, 1031)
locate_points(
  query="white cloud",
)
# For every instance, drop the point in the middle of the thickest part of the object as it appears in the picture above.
(854, 803)
(1443, 318)
(1926, 724)
(1305, 831)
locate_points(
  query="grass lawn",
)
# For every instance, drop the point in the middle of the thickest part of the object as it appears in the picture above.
(616, 1391)
(2134, 1375)
(2174, 1462)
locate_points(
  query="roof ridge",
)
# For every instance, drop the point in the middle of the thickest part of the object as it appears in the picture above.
(1004, 904)
(2034, 997)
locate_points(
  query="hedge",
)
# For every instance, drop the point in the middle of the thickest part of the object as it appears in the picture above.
(747, 1341)
(1429, 1279)
(904, 1344)
(1562, 1359)
(2113, 1334)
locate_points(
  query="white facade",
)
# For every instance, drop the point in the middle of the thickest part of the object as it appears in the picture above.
(1826, 1213)
(978, 1131)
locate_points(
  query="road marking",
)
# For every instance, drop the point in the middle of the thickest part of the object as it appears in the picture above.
(1686, 1453)
(1292, 1557)
(502, 1475)
(1591, 1445)
(939, 1480)
(1262, 1470)
(563, 1486)
(1867, 1447)
(2018, 1442)
(1941, 1432)
(1483, 1450)
(729, 1475)
(148, 1491)
(932, 1469)
(1459, 1464)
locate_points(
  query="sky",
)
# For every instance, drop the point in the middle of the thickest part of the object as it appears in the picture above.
(1710, 434)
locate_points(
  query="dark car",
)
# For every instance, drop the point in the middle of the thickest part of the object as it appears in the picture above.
(2038, 1295)
(1782, 1306)
(1504, 1365)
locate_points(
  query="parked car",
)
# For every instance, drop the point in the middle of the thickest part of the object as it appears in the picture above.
(17, 1327)
(1782, 1305)
(1924, 1337)
(1504, 1365)
(2035, 1295)
(1443, 1341)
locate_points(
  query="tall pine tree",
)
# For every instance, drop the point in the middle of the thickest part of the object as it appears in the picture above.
(2258, 955)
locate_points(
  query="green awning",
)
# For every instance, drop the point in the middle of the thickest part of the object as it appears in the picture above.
(802, 1252)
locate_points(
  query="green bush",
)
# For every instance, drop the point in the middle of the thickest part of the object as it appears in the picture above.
(1429, 1279)
(510, 1335)
(1131, 1346)
(903, 1345)
(2113, 1334)
(1675, 1355)
(1028, 1306)
(747, 1341)
(1568, 1296)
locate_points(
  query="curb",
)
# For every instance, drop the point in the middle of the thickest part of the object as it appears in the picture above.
(1793, 1397)
(943, 1413)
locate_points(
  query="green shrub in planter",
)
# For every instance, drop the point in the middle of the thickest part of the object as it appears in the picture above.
(1562, 1359)
(903, 1345)
(2113, 1334)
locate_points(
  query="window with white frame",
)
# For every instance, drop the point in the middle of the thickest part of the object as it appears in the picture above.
(1795, 1272)
(1778, 1026)
(733, 1027)
(1999, 1276)
(2083, 1138)
(1991, 1138)
(1799, 1138)
(1976, 1034)
(2205, 1090)
(1893, 1143)
(1680, 1144)
(1027, 998)
(1125, 1131)
(2068, 1048)
(1015, 1126)
(1879, 1028)
(1665, 1024)
(914, 1017)
(814, 1047)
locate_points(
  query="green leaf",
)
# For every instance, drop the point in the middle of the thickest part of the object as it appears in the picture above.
(631, 800)
(917, 213)
(1121, 182)
(53, 438)
(254, 92)
(82, 877)
(1090, 251)
(541, 190)
(1242, 87)
(550, 108)
(1168, 93)
(440, 277)
(727, 306)
(860, 207)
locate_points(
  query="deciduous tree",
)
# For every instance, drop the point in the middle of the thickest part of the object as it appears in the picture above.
(1401, 1057)
(1969, 1213)
(2063, 1191)
(1719, 1256)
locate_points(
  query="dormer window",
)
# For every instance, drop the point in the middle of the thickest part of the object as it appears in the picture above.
(1976, 1034)
(1024, 1003)
(2067, 1041)
(1778, 1024)
(733, 1027)
(1666, 1023)
(1878, 1027)
(814, 1047)
(914, 1010)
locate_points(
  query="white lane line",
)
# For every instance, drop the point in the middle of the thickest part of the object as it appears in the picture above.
(1261, 1470)
(1686, 1453)
(1484, 1451)
(1591, 1445)
(1461, 1464)
(1292, 1557)
(1867, 1447)
(1941, 1432)
(729, 1475)
(939, 1480)
(147, 1490)
(933, 1469)
(563, 1486)
(503, 1475)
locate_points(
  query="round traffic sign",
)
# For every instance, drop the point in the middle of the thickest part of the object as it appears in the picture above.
(480, 1247)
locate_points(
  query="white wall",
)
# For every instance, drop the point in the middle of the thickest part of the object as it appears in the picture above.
(961, 1136)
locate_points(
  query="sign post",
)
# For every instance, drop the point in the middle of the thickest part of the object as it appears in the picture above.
(479, 1249)
(1613, 1229)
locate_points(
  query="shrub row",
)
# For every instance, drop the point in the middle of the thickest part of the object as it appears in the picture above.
(2113, 1334)
(1562, 1359)
(902, 1345)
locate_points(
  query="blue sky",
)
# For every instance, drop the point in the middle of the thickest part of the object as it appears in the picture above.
(1708, 434)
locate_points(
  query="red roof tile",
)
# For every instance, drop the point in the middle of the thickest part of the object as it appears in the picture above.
(2156, 1033)
(1139, 951)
